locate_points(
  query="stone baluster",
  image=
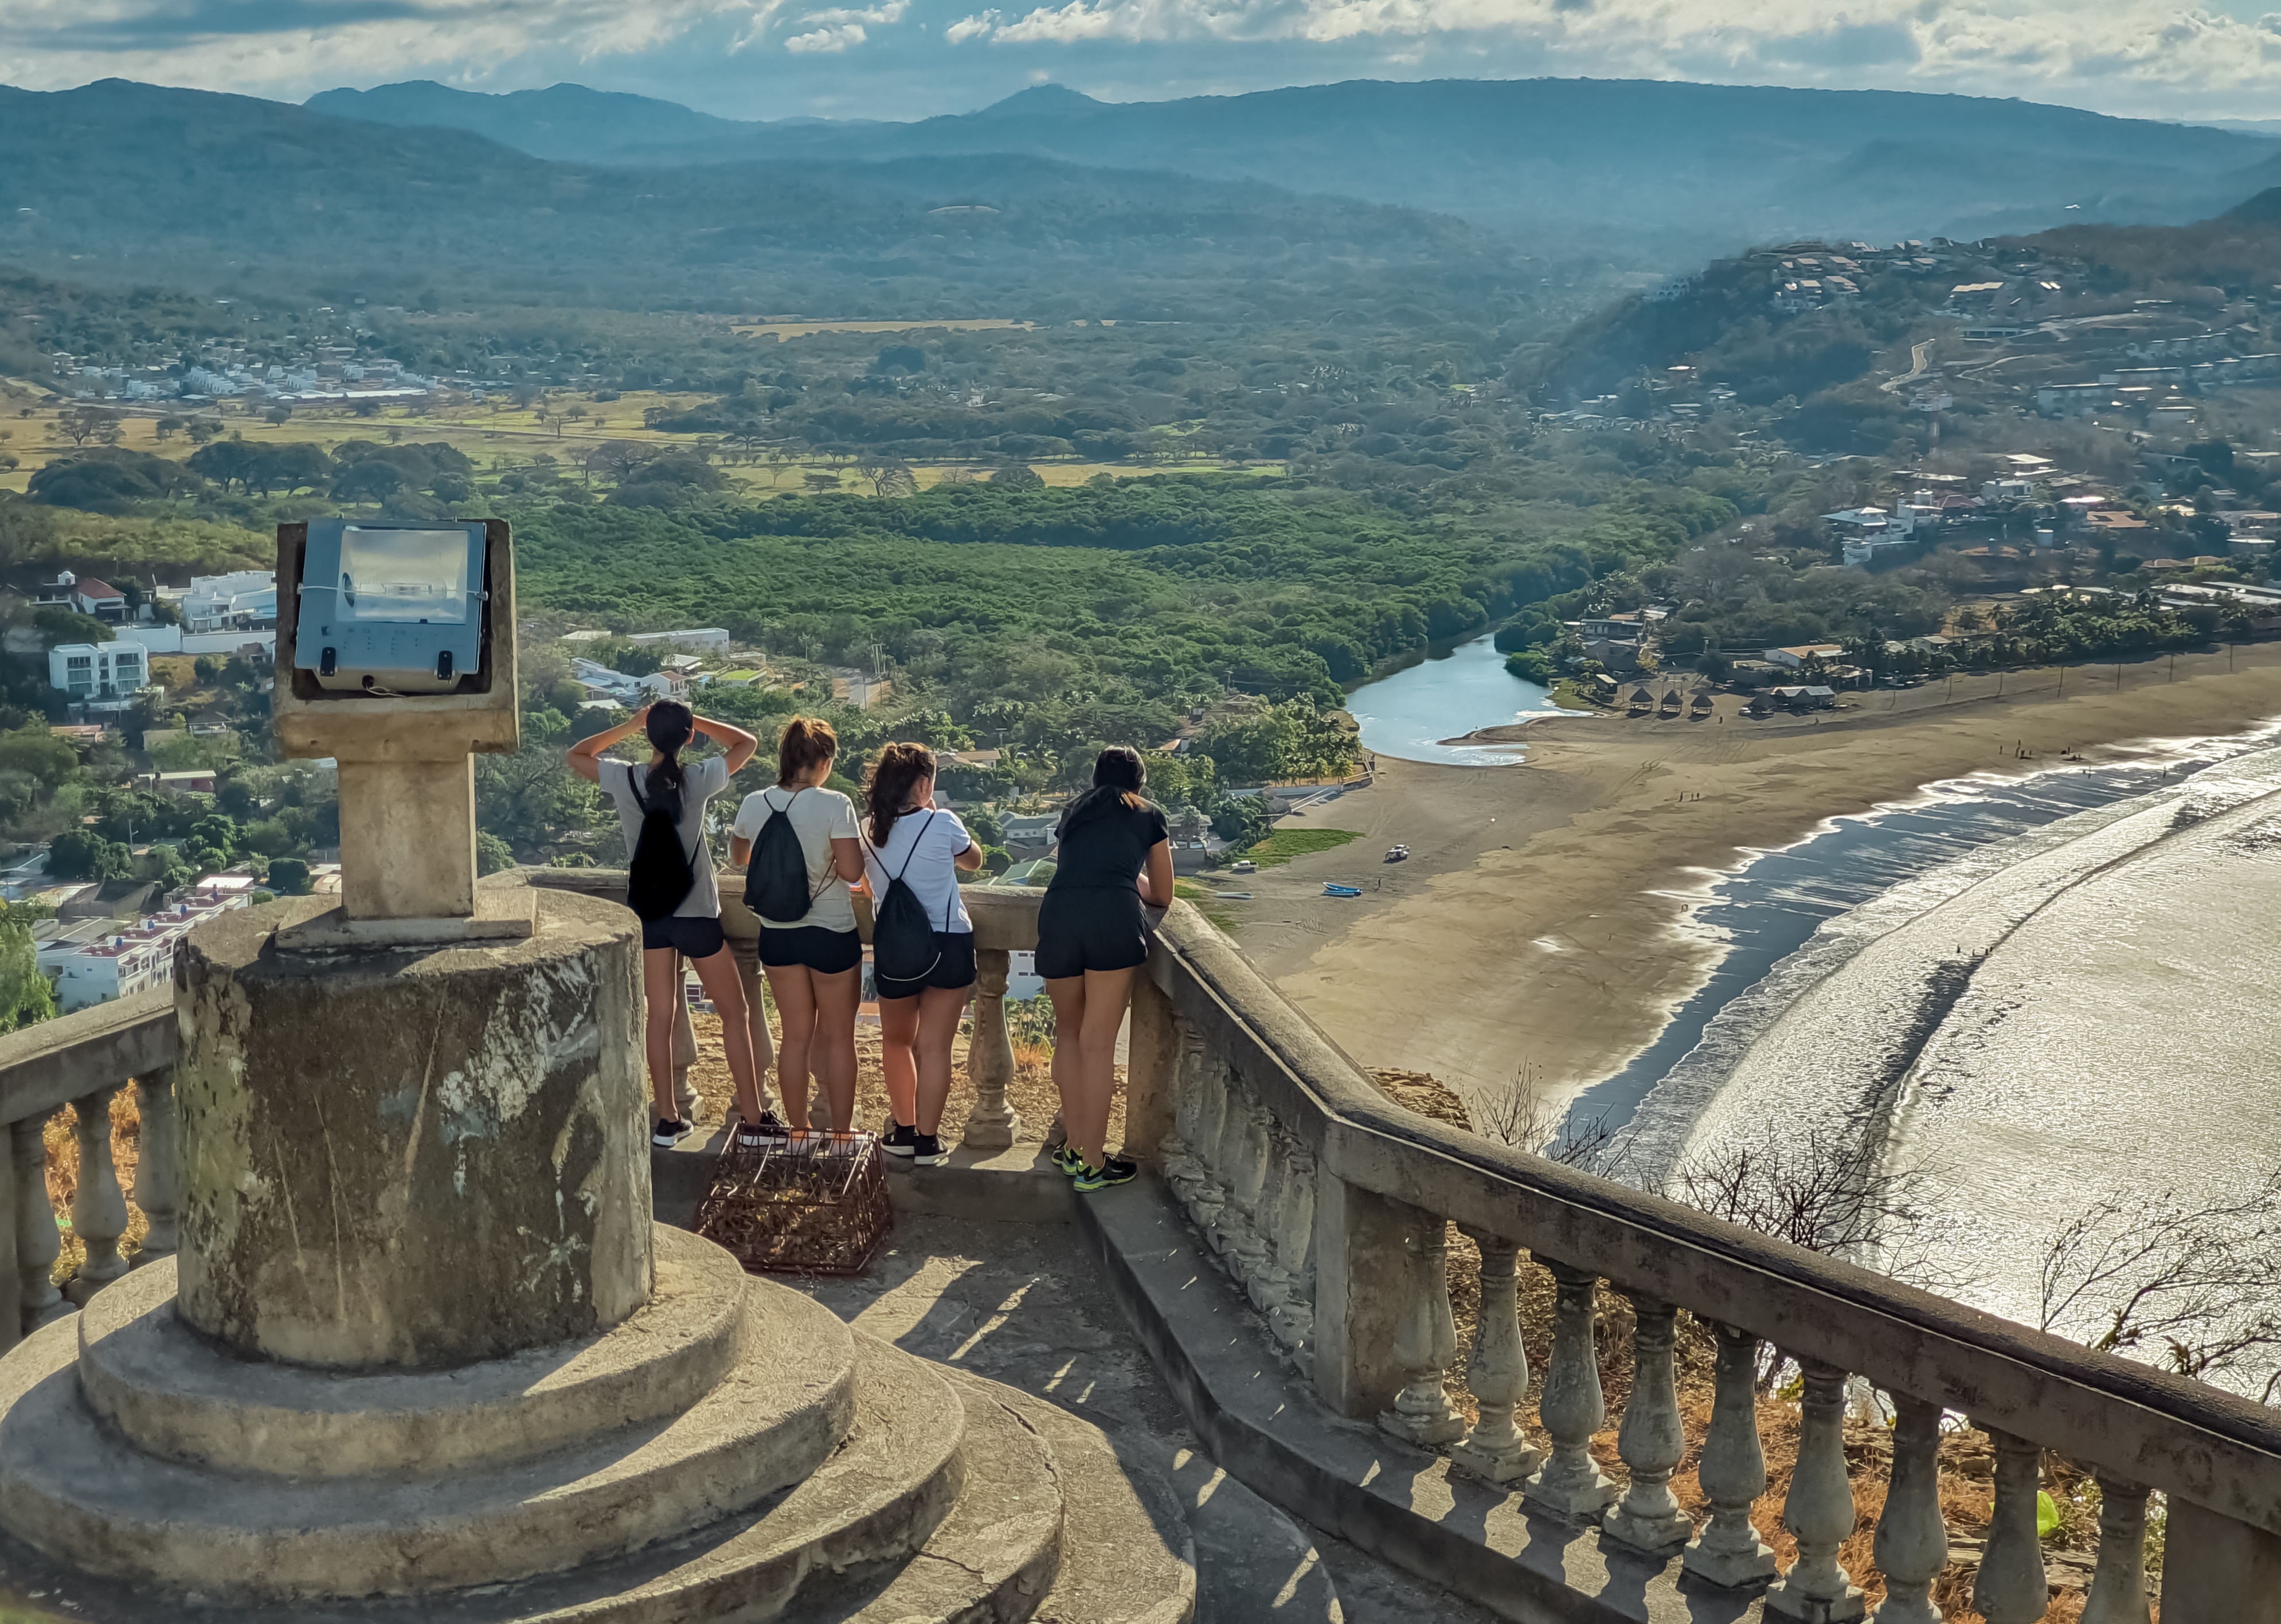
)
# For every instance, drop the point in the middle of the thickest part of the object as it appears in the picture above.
(2010, 1588)
(38, 1243)
(2118, 1584)
(990, 1055)
(1570, 1483)
(1268, 1283)
(1425, 1340)
(1292, 1320)
(1733, 1472)
(1497, 1375)
(1650, 1440)
(1220, 1121)
(1819, 1509)
(99, 1205)
(684, 1045)
(1247, 1247)
(1912, 1544)
(158, 1163)
(1177, 1154)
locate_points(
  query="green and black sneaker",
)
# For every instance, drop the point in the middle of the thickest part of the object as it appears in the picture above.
(1068, 1160)
(1114, 1169)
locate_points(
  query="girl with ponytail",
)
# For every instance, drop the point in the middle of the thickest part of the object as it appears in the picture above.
(907, 838)
(693, 929)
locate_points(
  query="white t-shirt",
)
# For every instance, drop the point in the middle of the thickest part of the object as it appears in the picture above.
(818, 817)
(701, 781)
(929, 871)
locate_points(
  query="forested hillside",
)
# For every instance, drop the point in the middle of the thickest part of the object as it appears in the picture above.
(248, 196)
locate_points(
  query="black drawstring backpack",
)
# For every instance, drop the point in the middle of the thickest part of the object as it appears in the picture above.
(903, 943)
(775, 880)
(660, 878)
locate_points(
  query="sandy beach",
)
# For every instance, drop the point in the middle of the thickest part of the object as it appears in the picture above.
(1541, 924)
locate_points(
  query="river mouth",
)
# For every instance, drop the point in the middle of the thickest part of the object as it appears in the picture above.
(1417, 713)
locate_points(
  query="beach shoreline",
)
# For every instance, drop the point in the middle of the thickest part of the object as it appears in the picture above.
(1542, 926)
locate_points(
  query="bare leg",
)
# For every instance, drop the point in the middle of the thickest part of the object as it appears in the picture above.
(796, 1011)
(939, 1008)
(660, 985)
(899, 1031)
(833, 1048)
(727, 990)
(1106, 994)
(1068, 995)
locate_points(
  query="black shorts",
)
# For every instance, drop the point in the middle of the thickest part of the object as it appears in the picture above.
(954, 968)
(827, 953)
(690, 935)
(1079, 931)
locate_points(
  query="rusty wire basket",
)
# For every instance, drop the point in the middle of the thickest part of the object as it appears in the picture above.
(817, 1206)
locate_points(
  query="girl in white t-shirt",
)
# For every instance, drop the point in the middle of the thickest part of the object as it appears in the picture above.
(908, 838)
(814, 963)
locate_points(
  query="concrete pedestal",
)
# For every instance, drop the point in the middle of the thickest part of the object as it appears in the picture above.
(416, 1158)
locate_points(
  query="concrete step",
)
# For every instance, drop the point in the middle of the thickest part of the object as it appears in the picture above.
(1253, 1565)
(1126, 1554)
(175, 1394)
(880, 1497)
(992, 1558)
(81, 1493)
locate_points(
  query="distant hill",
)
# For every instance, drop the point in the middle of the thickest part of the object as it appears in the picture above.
(561, 121)
(1661, 170)
(129, 182)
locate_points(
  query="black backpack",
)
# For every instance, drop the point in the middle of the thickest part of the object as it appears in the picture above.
(659, 879)
(903, 946)
(775, 878)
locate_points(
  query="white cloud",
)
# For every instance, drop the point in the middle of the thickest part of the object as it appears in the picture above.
(827, 39)
(2122, 51)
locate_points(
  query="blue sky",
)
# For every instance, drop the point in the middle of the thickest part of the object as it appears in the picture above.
(907, 58)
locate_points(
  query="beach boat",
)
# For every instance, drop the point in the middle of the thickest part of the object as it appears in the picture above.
(1331, 890)
(1397, 854)
(1233, 896)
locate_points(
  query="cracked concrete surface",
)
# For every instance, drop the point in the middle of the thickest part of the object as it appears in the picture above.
(1024, 1304)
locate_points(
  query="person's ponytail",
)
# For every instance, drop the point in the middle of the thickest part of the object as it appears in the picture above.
(670, 727)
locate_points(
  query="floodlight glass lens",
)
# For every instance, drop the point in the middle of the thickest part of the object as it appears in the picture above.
(393, 575)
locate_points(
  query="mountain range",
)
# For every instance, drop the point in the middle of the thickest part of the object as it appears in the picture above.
(1662, 173)
(120, 181)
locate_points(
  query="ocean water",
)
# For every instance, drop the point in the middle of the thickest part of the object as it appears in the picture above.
(1408, 714)
(1767, 917)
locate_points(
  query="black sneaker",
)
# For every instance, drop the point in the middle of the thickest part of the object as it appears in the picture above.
(770, 1130)
(1113, 1169)
(669, 1132)
(927, 1151)
(899, 1139)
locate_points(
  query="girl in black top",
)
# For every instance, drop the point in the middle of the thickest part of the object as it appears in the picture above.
(1115, 856)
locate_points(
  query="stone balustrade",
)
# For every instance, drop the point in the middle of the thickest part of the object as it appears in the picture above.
(1330, 1207)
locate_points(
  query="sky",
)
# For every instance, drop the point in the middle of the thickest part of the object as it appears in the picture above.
(911, 58)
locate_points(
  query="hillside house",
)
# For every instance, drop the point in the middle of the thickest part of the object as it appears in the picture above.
(1809, 697)
(86, 595)
(244, 599)
(1790, 659)
(99, 676)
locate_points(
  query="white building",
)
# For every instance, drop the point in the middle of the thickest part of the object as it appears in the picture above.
(95, 961)
(242, 600)
(712, 638)
(100, 675)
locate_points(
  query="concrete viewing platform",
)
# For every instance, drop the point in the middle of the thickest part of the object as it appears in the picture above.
(1223, 1392)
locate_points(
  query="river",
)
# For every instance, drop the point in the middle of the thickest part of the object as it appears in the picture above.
(1444, 696)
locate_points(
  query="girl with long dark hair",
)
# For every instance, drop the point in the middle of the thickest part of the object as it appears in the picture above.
(908, 838)
(813, 962)
(1114, 858)
(693, 929)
